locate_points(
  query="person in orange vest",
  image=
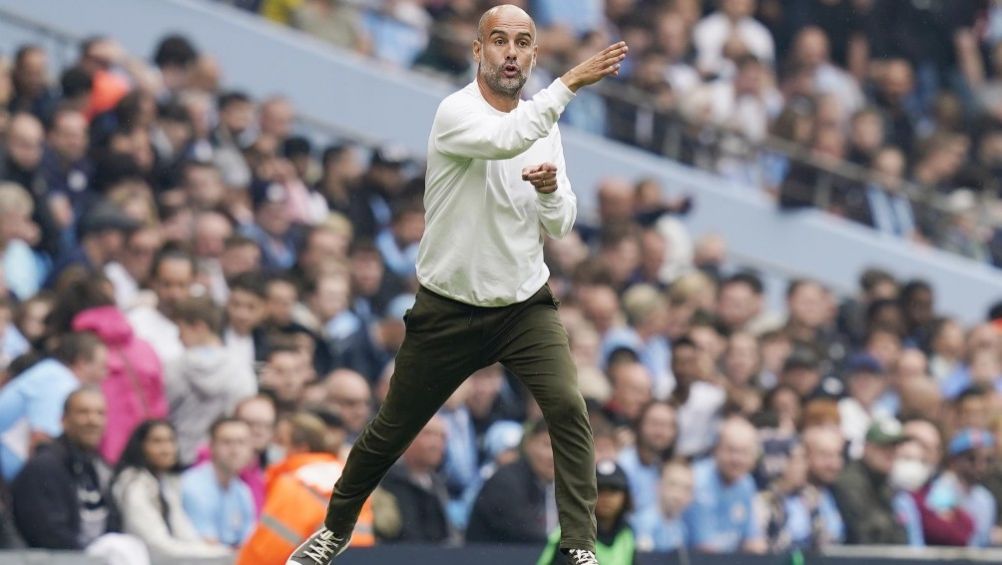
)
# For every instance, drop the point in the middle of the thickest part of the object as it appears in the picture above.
(297, 490)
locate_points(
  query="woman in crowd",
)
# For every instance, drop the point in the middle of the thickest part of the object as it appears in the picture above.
(147, 490)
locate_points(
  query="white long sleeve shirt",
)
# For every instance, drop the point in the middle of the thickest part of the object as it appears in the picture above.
(483, 240)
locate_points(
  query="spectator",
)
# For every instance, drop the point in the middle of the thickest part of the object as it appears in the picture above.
(969, 457)
(101, 233)
(913, 474)
(245, 311)
(863, 493)
(811, 49)
(259, 413)
(631, 391)
(722, 517)
(32, 405)
(824, 448)
(349, 393)
(282, 375)
(332, 21)
(218, 502)
(30, 79)
(23, 273)
(73, 480)
(133, 268)
(461, 465)
(135, 376)
(697, 399)
(296, 499)
(211, 230)
(661, 526)
(68, 171)
(272, 230)
(903, 478)
(733, 22)
(147, 490)
(517, 504)
(173, 273)
(866, 382)
(656, 431)
(207, 380)
(414, 492)
(616, 543)
(398, 243)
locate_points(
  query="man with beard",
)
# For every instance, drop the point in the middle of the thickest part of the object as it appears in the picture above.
(172, 275)
(496, 184)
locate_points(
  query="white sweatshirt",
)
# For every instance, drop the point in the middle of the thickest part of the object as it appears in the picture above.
(483, 240)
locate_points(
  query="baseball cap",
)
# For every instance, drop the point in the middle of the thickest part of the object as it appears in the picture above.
(885, 431)
(863, 363)
(103, 217)
(391, 155)
(970, 438)
(611, 476)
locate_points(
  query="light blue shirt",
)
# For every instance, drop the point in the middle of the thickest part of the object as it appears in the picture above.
(581, 16)
(655, 532)
(644, 480)
(222, 514)
(22, 269)
(33, 401)
(799, 521)
(908, 514)
(721, 518)
(980, 505)
(12, 345)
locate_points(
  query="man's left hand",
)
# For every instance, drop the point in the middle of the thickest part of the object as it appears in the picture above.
(542, 177)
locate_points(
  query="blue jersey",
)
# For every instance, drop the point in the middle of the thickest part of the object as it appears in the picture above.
(722, 516)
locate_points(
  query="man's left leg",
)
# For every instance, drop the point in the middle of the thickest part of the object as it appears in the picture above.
(531, 342)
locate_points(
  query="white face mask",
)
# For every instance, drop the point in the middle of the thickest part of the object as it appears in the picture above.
(909, 474)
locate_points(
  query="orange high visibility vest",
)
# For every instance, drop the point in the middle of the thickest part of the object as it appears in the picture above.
(295, 506)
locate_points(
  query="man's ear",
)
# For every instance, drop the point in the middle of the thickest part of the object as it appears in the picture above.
(476, 50)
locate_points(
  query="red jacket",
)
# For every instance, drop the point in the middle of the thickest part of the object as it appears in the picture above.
(953, 527)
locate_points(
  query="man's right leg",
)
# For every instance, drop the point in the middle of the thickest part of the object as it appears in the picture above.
(440, 350)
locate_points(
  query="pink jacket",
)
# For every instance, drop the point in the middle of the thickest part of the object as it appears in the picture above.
(134, 387)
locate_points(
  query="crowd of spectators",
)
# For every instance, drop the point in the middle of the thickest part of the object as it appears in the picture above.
(199, 311)
(778, 94)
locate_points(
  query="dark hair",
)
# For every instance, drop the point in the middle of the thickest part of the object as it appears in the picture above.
(873, 276)
(200, 309)
(81, 294)
(363, 245)
(232, 97)
(252, 283)
(281, 278)
(85, 389)
(24, 51)
(87, 43)
(174, 50)
(222, 421)
(280, 343)
(172, 253)
(332, 152)
(75, 346)
(75, 81)
(797, 284)
(133, 455)
(296, 146)
(684, 341)
(751, 280)
(238, 240)
(874, 308)
(973, 391)
(173, 111)
(912, 287)
(995, 311)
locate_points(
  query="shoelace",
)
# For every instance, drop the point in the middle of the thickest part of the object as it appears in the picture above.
(583, 557)
(323, 547)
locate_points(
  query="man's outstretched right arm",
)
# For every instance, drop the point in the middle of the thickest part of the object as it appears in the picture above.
(463, 130)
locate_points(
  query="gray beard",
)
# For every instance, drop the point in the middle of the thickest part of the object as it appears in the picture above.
(495, 79)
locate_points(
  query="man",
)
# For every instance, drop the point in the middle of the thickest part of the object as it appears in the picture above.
(62, 499)
(631, 391)
(656, 431)
(68, 171)
(970, 453)
(349, 393)
(414, 492)
(483, 297)
(101, 235)
(218, 502)
(722, 517)
(823, 447)
(866, 383)
(297, 489)
(173, 274)
(31, 405)
(661, 526)
(516, 505)
(864, 495)
(697, 400)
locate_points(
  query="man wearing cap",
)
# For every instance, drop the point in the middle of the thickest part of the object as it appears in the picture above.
(863, 493)
(866, 383)
(101, 234)
(496, 187)
(970, 456)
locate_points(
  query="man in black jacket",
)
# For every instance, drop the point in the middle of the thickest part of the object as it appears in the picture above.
(61, 498)
(414, 491)
(517, 505)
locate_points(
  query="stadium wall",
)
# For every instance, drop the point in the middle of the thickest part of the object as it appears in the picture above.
(360, 97)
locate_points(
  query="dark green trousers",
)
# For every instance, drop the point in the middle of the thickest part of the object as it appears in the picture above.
(447, 341)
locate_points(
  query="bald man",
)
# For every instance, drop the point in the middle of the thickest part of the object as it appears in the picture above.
(496, 186)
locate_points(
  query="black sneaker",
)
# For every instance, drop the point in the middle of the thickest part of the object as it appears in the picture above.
(581, 557)
(321, 548)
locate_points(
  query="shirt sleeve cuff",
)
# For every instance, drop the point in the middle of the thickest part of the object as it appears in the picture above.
(560, 91)
(548, 197)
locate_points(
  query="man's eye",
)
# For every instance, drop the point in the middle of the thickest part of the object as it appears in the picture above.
(498, 42)
(523, 43)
